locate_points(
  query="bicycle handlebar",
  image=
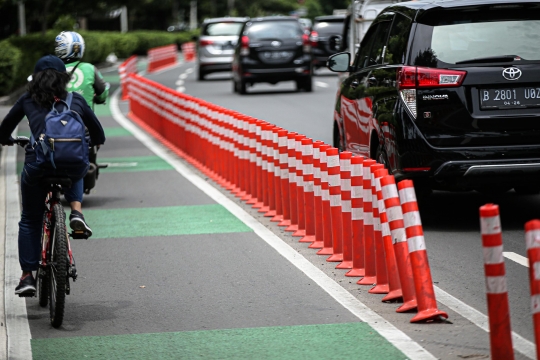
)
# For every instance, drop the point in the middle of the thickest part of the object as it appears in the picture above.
(22, 140)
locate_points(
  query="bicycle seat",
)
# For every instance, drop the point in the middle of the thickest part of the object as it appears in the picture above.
(57, 180)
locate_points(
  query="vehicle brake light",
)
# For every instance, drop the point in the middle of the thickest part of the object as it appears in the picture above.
(306, 43)
(244, 46)
(411, 78)
(314, 38)
(206, 42)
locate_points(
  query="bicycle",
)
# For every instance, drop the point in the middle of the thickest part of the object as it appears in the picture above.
(57, 263)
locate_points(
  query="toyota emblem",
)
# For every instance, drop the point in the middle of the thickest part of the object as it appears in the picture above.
(511, 73)
(275, 43)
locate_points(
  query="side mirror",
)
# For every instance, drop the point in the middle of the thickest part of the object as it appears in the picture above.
(335, 42)
(339, 62)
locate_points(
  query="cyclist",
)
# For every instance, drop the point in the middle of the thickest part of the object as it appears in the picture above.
(48, 85)
(86, 78)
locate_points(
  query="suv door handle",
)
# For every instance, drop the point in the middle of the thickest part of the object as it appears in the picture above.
(354, 84)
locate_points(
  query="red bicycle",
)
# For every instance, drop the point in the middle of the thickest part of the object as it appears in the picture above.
(57, 264)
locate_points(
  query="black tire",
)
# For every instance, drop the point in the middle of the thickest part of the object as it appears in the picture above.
(234, 87)
(308, 84)
(200, 74)
(242, 87)
(58, 275)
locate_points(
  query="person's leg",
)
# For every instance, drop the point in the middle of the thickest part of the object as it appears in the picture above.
(33, 206)
(74, 196)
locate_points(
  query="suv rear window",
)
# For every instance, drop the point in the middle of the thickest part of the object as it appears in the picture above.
(222, 29)
(454, 37)
(275, 30)
(334, 27)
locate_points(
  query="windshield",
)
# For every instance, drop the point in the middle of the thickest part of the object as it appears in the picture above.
(223, 29)
(275, 30)
(461, 42)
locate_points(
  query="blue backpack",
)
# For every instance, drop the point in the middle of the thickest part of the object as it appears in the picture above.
(63, 144)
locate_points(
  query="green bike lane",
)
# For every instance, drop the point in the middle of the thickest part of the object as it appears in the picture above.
(171, 273)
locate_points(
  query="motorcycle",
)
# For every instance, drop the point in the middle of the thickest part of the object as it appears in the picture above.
(93, 171)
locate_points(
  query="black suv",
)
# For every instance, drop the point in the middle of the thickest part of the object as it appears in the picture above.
(447, 93)
(324, 28)
(272, 49)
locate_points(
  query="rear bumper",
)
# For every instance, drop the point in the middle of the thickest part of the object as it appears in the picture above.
(276, 75)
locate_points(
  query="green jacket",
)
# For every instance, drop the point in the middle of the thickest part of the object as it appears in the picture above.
(88, 82)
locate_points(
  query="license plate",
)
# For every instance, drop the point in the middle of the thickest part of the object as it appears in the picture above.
(276, 54)
(514, 98)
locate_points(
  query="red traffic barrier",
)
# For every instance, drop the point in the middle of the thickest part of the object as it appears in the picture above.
(357, 217)
(291, 155)
(188, 50)
(280, 166)
(423, 284)
(325, 202)
(346, 209)
(309, 196)
(301, 231)
(532, 241)
(370, 270)
(500, 333)
(399, 239)
(317, 196)
(334, 188)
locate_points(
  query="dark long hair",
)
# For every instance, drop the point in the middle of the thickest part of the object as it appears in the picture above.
(48, 84)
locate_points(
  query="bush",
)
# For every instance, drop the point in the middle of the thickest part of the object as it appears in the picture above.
(10, 58)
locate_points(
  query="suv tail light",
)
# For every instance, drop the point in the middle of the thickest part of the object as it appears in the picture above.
(410, 78)
(306, 43)
(314, 39)
(206, 42)
(244, 46)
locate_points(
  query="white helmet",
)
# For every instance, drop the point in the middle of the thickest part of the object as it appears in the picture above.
(69, 45)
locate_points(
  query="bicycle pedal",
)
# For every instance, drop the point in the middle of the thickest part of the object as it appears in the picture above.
(80, 235)
(27, 295)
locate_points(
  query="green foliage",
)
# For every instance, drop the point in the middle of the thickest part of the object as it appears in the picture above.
(124, 45)
(10, 58)
(64, 23)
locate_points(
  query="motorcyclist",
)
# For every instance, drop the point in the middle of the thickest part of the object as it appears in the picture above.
(85, 80)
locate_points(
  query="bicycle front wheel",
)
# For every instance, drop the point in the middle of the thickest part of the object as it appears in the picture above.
(58, 267)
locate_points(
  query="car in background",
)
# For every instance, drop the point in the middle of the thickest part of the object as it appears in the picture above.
(446, 94)
(323, 30)
(215, 44)
(272, 49)
(306, 23)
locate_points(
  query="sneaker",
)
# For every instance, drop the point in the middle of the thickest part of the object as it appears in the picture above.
(27, 286)
(77, 223)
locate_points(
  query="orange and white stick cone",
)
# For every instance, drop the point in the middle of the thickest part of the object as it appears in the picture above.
(280, 166)
(500, 331)
(357, 217)
(273, 166)
(258, 161)
(317, 196)
(394, 287)
(327, 248)
(293, 195)
(301, 231)
(370, 269)
(309, 196)
(285, 192)
(346, 209)
(394, 214)
(334, 188)
(423, 284)
(266, 163)
(532, 241)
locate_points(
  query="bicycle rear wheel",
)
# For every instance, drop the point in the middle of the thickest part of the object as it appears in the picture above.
(57, 270)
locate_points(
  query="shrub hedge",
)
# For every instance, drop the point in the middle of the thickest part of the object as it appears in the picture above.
(19, 54)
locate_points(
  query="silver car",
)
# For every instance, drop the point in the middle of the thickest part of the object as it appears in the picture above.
(215, 45)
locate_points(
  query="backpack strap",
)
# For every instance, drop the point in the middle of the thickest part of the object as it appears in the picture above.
(66, 102)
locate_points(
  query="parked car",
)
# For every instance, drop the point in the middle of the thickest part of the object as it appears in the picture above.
(215, 45)
(447, 94)
(272, 49)
(324, 28)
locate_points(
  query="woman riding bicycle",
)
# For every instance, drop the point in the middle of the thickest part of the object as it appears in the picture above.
(48, 85)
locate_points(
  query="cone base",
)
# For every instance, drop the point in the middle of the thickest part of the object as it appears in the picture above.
(299, 233)
(393, 295)
(264, 209)
(247, 197)
(379, 289)
(252, 201)
(270, 213)
(407, 306)
(345, 264)
(240, 194)
(317, 244)
(335, 258)
(325, 251)
(307, 239)
(277, 218)
(367, 280)
(356, 272)
(292, 228)
(429, 314)
(285, 223)
(258, 205)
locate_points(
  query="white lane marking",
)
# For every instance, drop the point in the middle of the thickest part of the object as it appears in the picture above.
(189, 70)
(181, 89)
(17, 327)
(521, 344)
(183, 76)
(522, 260)
(398, 338)
(122, 164)
(179, 82)
(321, 84)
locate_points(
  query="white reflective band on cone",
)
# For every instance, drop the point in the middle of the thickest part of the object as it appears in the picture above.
(496, 285)
(368, 218)
(285, 174)
(412, 218)
(416, 243)
(357, 214)
(346, 205)
(356, 169)
(308, 186)
(536, 270)
(367, 195)
(386, 229)
(490, 225)
(535, 304)
(317, 190)
(493, 254)
(398, 235)
(356, 192)
(332, 161)
(345, 164)
(325, 195)
(335, 200)
(407, 195)
(346, 184)
(532, 239)
(283, 159)
(334, 180)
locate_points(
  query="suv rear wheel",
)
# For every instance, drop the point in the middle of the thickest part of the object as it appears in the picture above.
(200, 74)
(305, 84)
